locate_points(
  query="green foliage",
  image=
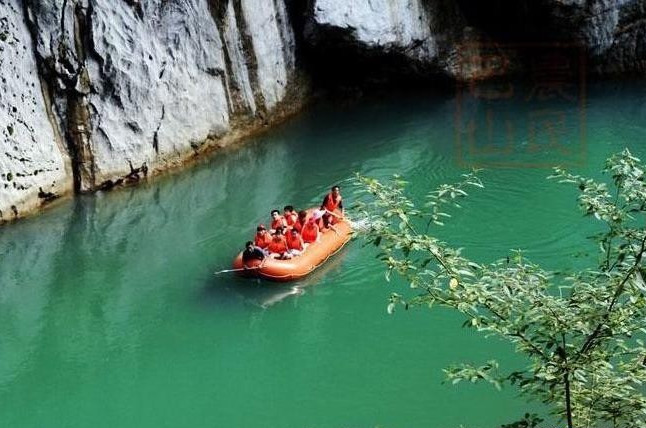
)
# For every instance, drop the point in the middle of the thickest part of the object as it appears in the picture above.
(582, 333)
(528, 421)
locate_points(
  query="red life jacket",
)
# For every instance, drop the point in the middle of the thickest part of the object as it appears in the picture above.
(291, 218)
(279, 222)
(262, 240)
(330, 203)
(310, 232)
(277, 245)
(294, 242)
(298, 226)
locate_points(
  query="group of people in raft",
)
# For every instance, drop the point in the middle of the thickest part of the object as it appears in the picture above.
(291, 233)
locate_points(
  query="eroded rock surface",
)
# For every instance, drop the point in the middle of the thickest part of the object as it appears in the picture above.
(99, 92)
(141, 84)
(32, 161)
(134, 86)
(613, 31)
(431, 33)
(403, 26)
(273, 47)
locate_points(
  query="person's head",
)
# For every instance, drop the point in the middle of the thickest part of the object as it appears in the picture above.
(336, 190)
(261, 228)
(294, 232)
(249, 245)
(275, 214)
(288, 209)
(302, 215)
(279, 230)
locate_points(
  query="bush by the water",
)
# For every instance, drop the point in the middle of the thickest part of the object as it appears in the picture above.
(582, 333)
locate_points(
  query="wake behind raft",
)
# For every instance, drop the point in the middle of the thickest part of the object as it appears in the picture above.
(315, 254)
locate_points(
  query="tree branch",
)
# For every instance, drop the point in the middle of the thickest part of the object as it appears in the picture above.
(587, 345)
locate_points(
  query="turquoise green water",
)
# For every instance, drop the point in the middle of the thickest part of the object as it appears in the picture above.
(110, 315)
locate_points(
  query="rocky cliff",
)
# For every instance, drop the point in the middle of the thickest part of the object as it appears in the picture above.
(433, 36)
(95, 93)
(98, 92)
(33, 159)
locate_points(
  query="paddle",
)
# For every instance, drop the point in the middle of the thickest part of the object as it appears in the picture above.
(236, 270)
(262, 263)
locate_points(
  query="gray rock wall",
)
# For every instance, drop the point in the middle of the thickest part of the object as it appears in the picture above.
(157, 84)
(134, 86)
(239, 82)
(403, 25)
(271, 35)
(427, 32)
(95, 93)
(614, 31)
(33, 161)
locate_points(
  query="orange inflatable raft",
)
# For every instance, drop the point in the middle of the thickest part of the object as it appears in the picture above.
(316, 253)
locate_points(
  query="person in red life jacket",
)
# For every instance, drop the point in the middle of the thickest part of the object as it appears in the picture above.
(277, 221)
(333, 205)
(290, 215)
(295, 242)
(262, 238)
(302, 219)
(278, 245)
(310, 232)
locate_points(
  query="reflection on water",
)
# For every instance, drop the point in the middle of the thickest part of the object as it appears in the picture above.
(250, 290)
(110, 314)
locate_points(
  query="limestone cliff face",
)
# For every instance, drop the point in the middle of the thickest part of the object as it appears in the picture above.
(131, 86)
(614, 31)
(403, 26)
(430, 33)
(94, 93)
(33, 160)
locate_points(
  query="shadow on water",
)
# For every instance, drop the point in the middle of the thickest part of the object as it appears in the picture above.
(232, 289)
